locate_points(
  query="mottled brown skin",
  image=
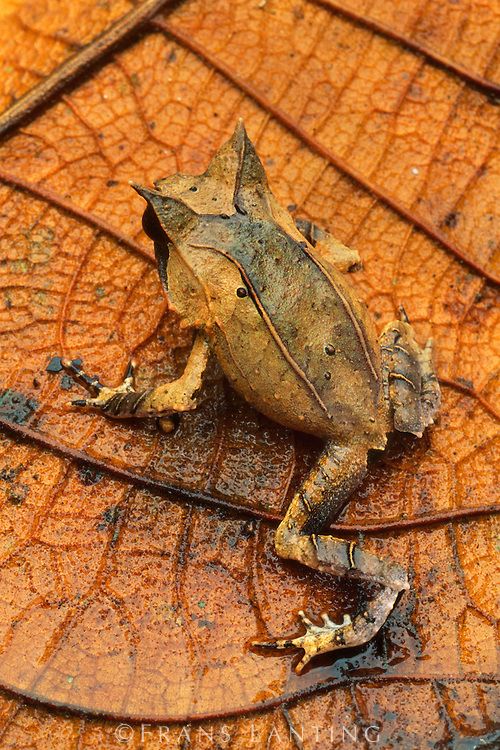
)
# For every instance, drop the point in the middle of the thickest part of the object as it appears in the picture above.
(269, 298)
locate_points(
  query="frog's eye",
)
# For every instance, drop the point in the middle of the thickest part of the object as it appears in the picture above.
(241, 292)
(151, 224)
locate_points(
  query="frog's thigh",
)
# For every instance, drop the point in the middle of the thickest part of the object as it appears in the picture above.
(322, 496)
(327, 248)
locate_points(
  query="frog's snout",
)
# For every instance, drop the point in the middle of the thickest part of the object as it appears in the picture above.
(154, 230)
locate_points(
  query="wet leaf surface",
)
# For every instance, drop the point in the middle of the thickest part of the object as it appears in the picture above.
(135, 566)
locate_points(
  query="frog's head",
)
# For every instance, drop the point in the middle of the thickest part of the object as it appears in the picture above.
(234, 182)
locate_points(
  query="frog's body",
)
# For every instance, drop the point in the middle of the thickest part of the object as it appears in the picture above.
(273, 305)
(278, 345)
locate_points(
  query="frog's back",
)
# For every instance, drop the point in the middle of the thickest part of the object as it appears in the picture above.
(319, 326)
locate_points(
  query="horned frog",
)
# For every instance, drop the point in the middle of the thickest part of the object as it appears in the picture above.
(270, 298)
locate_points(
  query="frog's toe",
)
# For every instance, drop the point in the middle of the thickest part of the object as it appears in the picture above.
(128, 380)
(90, 382)
(318, 639)
(113, 401)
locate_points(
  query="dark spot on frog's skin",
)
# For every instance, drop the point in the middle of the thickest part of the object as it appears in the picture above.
(451, 220)
(330, 350)
(292, 207)
(328, 375)
(193, 189)
(88, 475)
(172, 56)
(112, 183)
(16, 407)
(241, 292)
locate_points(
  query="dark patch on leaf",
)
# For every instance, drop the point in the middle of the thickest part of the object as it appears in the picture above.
(16, 407)
(67, 382)
(452, 219)
(55, 365)
(18, 494)
(110, 518)
(88, 475)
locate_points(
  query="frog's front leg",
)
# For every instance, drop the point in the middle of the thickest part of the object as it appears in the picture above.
(170, 398)
(322, 496)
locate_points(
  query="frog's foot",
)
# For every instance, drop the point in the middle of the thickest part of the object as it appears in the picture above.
(321, 639)
(116, 402)
(165, 401)
(318, 639)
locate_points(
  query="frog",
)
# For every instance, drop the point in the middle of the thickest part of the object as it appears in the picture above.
(271, 299)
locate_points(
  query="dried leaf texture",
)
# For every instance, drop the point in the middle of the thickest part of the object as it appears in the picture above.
(134, 566)
(38, 37)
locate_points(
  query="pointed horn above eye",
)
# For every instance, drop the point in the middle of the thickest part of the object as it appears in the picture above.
(147, 193)
(173, 214)
(239, 136)
(237, 166)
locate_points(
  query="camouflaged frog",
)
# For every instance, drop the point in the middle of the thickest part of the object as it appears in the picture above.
(270, 298)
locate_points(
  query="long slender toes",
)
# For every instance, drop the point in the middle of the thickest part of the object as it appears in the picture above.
(130, 372)
(332, 636)
(277, 644)
(78, 402)
(305, 620)
(92, 384)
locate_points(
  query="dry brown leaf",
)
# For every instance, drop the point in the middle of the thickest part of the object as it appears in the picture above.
(135, 567)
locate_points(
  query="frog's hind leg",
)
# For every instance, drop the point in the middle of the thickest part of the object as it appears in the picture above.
(411, 388)
(322, 496)
(164, 401)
